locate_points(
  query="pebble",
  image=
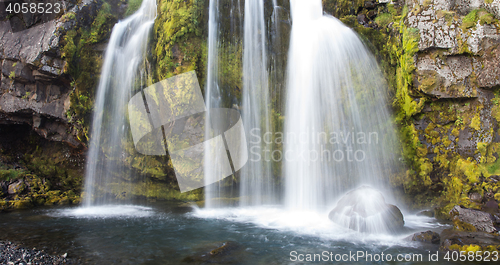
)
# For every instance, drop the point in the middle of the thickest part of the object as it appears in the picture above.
(12, 254)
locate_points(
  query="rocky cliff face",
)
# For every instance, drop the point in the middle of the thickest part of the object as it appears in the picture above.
(35, 87)
(49, 67)
(455, 88)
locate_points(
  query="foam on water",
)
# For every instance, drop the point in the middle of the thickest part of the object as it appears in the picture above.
(106, 211)
(314, 223)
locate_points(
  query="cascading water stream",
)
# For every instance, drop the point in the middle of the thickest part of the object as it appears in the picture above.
(223, 41)
(124, 55)
(256, 183)
(337, 127)
(212, 96)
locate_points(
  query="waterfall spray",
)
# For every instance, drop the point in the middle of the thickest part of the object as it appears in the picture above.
(256, 184)
(124, 56)
(335, 90)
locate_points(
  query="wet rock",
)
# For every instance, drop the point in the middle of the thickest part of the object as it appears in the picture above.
(451, 237)
(365, 210)
(225, 253)
(473, 220)
(426, 237)
(16, 187)
(225, 248)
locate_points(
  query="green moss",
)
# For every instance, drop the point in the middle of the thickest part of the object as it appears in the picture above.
(341, 8)
(404, 74)
(482, 149)
(11, 174)
(178, 37)
(478, 250)
(101, 26)
(477, 15)
(492, 169)
(462, 226)
(469, 20)
(383, 19)
(68, 16)
(83, 66)
(486, 18)
(476, 122)
(428, 82)
(132, 6)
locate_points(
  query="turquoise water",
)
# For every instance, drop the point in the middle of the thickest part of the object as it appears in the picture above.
(165, 233)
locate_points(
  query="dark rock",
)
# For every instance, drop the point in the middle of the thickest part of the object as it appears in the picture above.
(451, 237)
(4, 187)
(225, 248)
(370, 4)
(365, 210)
(426, 237)
(472, 220)
(362, 19)
(491, 206)
(223, 254)
(372, 14)
(33, 82)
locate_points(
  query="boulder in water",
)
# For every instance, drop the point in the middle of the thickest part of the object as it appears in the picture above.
(426, 237)
(365, 210)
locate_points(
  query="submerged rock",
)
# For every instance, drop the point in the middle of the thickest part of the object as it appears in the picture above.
(365, 210)
(224, 254)
(426, 237)
(473, 220)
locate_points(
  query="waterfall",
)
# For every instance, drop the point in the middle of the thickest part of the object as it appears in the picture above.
(124, 56)
(212, 96)
(256, 182)
(337, 126)
(223, 38)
